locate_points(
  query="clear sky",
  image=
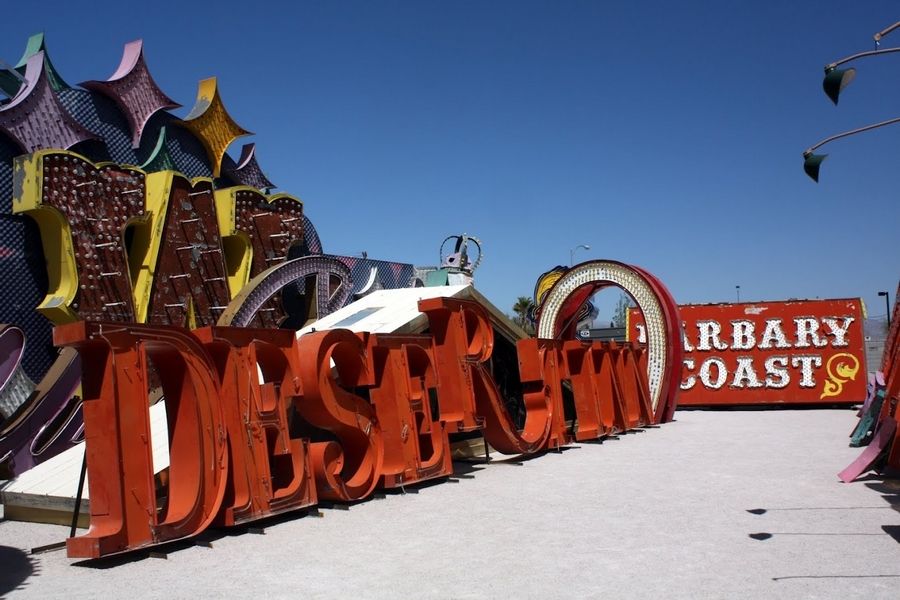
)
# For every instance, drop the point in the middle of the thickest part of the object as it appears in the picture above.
(664, 134)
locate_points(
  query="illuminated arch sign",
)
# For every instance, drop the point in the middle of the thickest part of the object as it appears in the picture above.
(788, 352)
(559, 310)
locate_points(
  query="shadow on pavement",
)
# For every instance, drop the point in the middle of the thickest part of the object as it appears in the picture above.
(890, 493)
(764, 535)
(15, 568)
(889, 490)
(203, 540)
(467, 469)
(893, 531)
(835, 577)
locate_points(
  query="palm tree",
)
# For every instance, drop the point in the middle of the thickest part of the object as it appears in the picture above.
(521, 309)
(620, 314)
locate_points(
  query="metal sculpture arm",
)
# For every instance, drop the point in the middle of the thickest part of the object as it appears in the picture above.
(459, 258)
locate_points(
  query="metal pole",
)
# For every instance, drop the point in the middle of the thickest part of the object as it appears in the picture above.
(887, 307)
(78, 497)
(842, 61)
(877, 37)
(810, 150)
(738, 290)
(572, 252)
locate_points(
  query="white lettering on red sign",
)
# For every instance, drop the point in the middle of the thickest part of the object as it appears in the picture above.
(713, 373)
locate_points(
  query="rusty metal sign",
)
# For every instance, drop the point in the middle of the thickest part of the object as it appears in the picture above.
(262, 422)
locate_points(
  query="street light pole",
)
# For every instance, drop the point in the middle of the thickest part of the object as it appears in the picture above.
(835, 81)
(812, 161)
(572, 252)
(887, 307)
(738, 289)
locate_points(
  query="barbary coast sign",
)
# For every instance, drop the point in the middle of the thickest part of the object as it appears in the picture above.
(805, 351)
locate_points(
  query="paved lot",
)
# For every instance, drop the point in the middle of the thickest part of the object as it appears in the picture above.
(658, 514)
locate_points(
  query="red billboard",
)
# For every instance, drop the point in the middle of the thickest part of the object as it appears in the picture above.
(784, 352)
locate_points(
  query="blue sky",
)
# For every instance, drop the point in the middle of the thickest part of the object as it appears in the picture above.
(668, 135)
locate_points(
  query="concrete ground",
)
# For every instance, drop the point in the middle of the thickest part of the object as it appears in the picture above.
(663, 513)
